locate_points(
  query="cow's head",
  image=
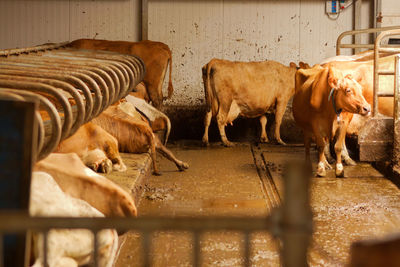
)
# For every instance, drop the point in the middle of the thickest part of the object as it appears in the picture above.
(348, 95)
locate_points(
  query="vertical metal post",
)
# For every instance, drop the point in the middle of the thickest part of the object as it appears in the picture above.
(376, 77)
(246, 254)
(396, 130)
(357, 23)
(96, 249)
(1, 250)
(145, 19)
(45, 247)
(296, 215)
(146, 249)
(196, 249)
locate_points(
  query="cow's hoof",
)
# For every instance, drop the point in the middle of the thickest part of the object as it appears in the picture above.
(205, 143)
(119, 167)
(156, 173)
(349, 161)
(264, 140)
(339, 170)
(93, 166)
(105, 166)
(183, 166)
(327, 165)
(281, 142)
(321, 172)
(228, 144)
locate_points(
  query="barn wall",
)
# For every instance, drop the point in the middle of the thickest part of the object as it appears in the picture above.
(288, 30)
(32, 22)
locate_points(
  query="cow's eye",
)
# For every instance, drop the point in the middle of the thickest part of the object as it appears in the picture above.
(348, 90)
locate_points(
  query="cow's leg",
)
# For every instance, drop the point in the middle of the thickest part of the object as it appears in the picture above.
(346, 157)
(221, 120)
(97, 160)
(169, 155)
(338, 150)
(207, 121)
(263, 123)
(327, 152)
(322, 163)
(280, 110)
(307, 144)
(153, 155)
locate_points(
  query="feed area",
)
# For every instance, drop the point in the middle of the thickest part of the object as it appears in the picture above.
(123, 151)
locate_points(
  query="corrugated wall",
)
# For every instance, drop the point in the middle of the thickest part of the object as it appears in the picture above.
(282, 30)
(32, 22)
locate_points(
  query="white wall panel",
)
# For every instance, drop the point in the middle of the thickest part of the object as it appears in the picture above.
(32, 22)
(26, 22)
(100, 19)
(246, 30)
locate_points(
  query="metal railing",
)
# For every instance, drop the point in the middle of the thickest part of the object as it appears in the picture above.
(292, 222)
(339, 44)
(73, 86)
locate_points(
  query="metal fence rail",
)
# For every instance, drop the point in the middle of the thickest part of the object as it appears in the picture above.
(73, 86)
(292, 222)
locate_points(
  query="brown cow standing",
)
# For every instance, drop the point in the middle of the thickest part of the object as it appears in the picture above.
(321, 94)
(362, 71)
(155, 55)
(249, 89)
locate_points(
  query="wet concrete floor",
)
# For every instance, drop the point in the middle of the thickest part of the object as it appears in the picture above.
(224, 182)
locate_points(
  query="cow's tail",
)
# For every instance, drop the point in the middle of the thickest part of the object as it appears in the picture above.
(168, 131)
(170, 88)
(207, 86)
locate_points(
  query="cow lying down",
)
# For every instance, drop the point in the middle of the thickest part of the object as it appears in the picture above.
(249, 89)
(76, 180)
(67, 247)
(97, 148)
(134, 133)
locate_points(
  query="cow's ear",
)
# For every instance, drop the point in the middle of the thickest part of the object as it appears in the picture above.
(293, 65)
(334, 77)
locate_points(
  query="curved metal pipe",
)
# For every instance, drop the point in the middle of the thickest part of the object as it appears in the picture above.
(5, 81)
(55, 120)
(104, 65)
(73, 81)
(33, 77)
(4, 94)
(63, 66)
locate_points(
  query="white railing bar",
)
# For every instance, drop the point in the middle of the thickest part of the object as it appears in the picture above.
(396, 122)
(363, 31)
(377, 49)
(386, 72)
